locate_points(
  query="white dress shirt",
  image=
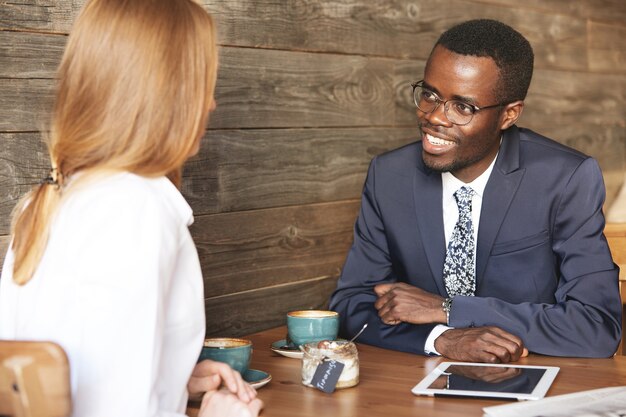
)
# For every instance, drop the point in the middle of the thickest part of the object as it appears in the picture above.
(450, 185)
(120, 288)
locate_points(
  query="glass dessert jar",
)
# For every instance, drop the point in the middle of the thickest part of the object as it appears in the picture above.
(340, 351)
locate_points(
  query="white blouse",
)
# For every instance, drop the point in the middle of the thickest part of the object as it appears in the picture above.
(120, 289)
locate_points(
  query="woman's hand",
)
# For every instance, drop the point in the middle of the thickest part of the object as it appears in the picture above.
(224, 404)
(209, 375)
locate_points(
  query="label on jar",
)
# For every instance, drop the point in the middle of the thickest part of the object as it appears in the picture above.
(326, 375)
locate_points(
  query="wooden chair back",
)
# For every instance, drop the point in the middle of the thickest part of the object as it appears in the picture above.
(616, 235)
(34, 380)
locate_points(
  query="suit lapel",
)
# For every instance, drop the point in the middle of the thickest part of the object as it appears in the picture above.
(427, 195)
(499, 192)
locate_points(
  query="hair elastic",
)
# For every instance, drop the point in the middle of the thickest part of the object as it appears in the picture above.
(52, 178)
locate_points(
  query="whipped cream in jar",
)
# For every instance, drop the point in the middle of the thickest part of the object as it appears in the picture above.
(340, 351)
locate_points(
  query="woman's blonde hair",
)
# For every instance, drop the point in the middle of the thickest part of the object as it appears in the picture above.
(135, 87)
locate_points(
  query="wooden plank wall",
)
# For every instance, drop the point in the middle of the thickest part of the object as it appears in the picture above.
(308, 93)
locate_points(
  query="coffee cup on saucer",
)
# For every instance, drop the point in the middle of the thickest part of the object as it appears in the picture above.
(307, 326)
(235, 352)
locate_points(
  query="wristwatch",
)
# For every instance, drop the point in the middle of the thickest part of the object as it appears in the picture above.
(446, 305)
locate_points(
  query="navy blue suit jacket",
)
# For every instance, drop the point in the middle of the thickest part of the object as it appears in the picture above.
(543, 267)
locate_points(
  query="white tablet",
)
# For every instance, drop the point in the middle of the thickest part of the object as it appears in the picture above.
(515, 382)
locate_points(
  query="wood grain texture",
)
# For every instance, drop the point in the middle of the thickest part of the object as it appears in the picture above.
(40, 15)
(607, 47)
(256, 89)
(395, 28)
(30, 55)
(601, 10)
(261, 248)
(263, 88)
(251, 169)
(405, 73)
(583, 99)
(247, 312)
(24, 104)
(23, 163)
(4, 246)
(398, 28)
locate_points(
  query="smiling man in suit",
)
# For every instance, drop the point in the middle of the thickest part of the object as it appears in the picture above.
(483, 240)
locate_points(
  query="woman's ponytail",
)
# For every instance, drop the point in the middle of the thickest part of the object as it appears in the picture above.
(31, 225)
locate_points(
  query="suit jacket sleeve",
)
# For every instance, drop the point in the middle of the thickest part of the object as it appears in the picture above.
(369, 263)
(585, 318)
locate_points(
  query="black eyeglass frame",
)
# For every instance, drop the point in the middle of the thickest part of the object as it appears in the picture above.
(475, 109)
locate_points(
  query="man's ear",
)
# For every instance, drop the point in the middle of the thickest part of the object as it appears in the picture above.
(511, 113)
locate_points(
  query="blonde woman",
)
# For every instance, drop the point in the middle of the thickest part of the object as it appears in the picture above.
(102, 260)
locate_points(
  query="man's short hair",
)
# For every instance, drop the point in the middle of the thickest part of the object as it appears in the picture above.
(507, 47)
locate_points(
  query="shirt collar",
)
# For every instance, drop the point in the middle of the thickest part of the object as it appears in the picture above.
(451, 183)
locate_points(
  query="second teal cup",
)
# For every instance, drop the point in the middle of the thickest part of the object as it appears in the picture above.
(307, 326)
(234, 352)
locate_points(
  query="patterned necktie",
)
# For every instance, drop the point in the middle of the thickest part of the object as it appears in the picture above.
(459, 268)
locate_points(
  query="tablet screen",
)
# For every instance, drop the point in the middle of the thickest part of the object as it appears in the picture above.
(522, 382)
(490, 379)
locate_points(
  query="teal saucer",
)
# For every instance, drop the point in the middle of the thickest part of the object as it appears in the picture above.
(286, 349)
(256, 378)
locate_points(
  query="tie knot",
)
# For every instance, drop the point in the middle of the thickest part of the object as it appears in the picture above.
(463, 196)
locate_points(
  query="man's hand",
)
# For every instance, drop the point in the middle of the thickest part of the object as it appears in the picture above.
(491, 374)
(401, 302)
(480, 344)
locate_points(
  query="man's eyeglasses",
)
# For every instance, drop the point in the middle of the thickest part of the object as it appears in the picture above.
(457, 111)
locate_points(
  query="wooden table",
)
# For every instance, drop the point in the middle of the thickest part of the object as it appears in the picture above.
(387, 378)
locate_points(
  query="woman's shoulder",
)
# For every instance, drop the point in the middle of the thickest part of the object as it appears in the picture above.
(127, 194)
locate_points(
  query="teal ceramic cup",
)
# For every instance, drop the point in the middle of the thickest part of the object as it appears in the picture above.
(234, 352)
(307, 326)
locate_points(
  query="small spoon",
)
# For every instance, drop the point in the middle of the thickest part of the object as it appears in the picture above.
(350, 341)
(359, 333)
